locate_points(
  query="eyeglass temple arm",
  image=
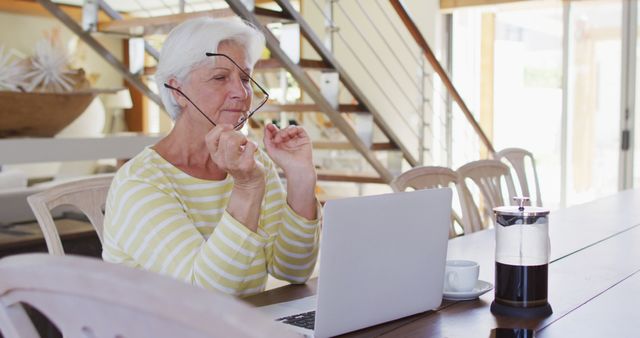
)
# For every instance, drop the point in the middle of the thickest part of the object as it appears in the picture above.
(188, 99)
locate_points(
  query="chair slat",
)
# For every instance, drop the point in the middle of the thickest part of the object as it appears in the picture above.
(88, 195)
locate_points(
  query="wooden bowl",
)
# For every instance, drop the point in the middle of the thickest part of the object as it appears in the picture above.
(40, 114)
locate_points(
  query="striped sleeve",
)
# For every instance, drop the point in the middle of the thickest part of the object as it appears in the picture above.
(152, 228)
(293, 249)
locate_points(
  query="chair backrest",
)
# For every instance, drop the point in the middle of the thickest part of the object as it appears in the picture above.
(86, 297)
(516, 158)
(89, 195)
(424, 178)
(487, 175)
(434, 177)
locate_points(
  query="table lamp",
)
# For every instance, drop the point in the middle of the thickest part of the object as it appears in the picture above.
(116, 103)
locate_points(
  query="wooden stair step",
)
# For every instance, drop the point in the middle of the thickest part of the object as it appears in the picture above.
(140, 26)
(268, 13)
(355, 177)
(349, 146)
(268, 65)
(346, 176)
(309, 108)
(275, 64)
(157, 24)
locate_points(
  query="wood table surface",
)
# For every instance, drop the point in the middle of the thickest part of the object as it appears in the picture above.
(615, 312)
(594, 270)
(77, 235)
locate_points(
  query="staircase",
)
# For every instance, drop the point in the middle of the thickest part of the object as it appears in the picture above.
(346, 119)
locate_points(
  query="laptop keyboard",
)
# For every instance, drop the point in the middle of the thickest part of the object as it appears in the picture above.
(305, 320)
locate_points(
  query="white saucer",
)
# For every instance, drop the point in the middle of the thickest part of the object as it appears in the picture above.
(481, 288)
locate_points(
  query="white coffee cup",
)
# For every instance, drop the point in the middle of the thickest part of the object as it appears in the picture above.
(460, 275)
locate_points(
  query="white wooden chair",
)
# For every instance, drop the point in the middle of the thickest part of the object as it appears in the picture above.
(487, 176)
(434, 177)
(89, 195)
(86, 297)
(516, 158)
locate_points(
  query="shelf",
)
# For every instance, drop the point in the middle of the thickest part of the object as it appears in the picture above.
(33, 150)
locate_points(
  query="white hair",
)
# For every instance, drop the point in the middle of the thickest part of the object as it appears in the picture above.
(187, 43)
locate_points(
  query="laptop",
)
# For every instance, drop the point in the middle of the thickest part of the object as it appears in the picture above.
(381, 258)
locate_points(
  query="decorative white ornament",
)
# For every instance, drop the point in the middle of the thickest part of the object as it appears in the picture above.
(12, 72)
(50, 70)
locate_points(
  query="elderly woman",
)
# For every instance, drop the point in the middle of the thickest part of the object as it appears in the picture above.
(205, 204)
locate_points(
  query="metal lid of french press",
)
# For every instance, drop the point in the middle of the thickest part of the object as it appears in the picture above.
(521, 209)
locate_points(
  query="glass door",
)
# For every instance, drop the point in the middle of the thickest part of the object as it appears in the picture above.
(546, 76)
(528, 89)
(594, 87)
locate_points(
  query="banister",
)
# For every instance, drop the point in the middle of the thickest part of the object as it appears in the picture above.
(428, 53)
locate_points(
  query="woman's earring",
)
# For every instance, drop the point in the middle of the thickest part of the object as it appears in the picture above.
(182, 102)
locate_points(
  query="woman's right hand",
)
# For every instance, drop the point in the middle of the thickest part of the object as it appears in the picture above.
(233, 152)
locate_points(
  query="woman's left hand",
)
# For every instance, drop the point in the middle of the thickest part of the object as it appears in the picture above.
(289, 148)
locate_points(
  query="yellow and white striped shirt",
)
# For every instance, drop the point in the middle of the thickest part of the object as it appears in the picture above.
(159, 218)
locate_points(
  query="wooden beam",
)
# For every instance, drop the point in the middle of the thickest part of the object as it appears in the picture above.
(487, 36)
(32, 8)
(136, 116)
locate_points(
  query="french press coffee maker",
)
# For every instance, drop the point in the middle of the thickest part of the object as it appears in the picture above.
(522, 261)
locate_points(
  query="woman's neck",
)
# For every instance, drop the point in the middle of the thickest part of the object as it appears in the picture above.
(185, 148)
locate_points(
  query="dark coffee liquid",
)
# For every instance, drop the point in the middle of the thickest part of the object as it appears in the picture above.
(521, 286)
(511, 333)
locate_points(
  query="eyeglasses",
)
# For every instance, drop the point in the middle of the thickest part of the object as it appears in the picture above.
(244, 118)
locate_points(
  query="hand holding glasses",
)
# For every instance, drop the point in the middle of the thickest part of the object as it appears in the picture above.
(244, 118)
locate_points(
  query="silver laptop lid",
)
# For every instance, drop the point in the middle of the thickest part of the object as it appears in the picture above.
(382, 258)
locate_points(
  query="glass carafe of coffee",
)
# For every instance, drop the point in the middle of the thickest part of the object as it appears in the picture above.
(522, 260)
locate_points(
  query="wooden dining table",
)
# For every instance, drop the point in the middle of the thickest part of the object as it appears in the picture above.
(594, 280)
